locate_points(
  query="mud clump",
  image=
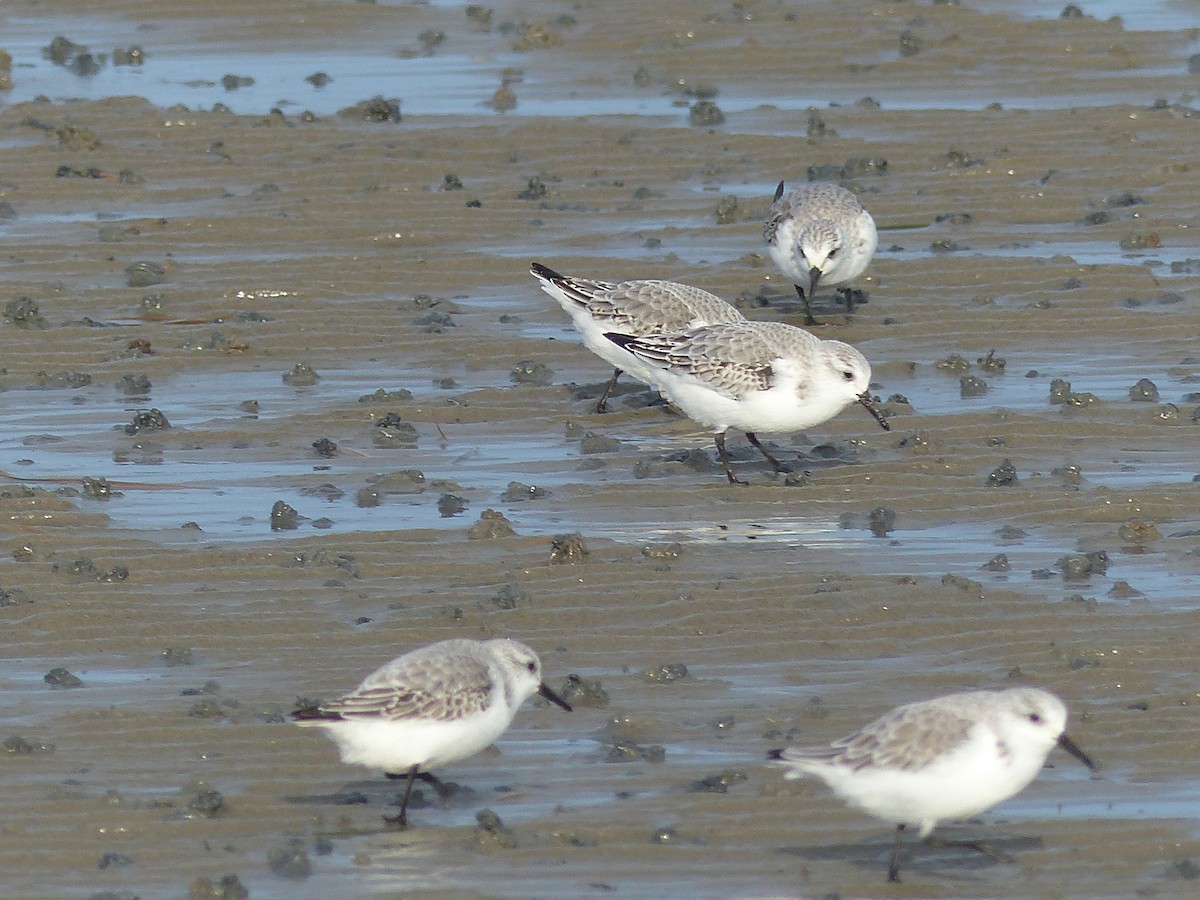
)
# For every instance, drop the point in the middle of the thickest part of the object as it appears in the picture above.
(527, 371)
(665, 673)
(727, 211)
(134, 385)
(535, 189)
(98, 489)
(882, 521)
(1145, 391)
(59, 677)
(61, 380)
(145, 273)
(289, 862)
(19, 746)
(491, 833)
(517, 492)
(491, 524)
(176, 656)
(718, 782)
(626, 751)
(284, 517)
(568, 549)
(954, 364)
(24, 313)
(404, 481)
(393, 431)
(1136, 533)
(992, 363)
(1082, 566)
(705, 114)
(147, 420)
(579, 691)
(509, 597)
(1004, 475)
(966, 585)
(381, 396)
(229, 887)
(205, 802)
(301, 375)
(998, 563)
(1123, 590)
(450, 505)
(970, 386)
(325, 448)
(378, 110)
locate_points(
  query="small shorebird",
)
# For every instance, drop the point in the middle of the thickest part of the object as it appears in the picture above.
(946, 758)
(755, 376)
(642, 307)
(819, 233)
(431, 706)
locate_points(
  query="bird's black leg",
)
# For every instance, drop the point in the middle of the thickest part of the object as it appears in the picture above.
(894, 867)
(808, 316)
(602, 403)
(401, 821)
(776, 464)
(720, 441)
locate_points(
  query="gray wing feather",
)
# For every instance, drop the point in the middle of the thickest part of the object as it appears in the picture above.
(416, 686)
(734, 358)
(654, 307)
(908, 738)
(816, 200)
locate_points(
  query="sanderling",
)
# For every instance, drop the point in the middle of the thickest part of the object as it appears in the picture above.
(946, 758)
(755, 376)
(819, 233)
(639, 308)
(431, 706)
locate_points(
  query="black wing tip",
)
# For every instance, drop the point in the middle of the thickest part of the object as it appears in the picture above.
(310, 711)
(779, 191)
(541, 271)
(621, 340)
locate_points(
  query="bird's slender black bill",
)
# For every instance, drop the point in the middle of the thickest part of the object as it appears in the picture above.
(865, 399)
(1069, 745)
(553, 697)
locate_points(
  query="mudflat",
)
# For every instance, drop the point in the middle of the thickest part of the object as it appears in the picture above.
(282, 401)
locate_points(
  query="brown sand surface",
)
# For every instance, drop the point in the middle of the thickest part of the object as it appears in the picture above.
(332, 242)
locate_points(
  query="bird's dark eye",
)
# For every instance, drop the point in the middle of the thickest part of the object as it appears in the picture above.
(531, 666)
(1034, 717)
(832, 253)
(848, 375)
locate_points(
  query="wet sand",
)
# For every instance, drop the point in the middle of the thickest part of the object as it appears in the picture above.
(332, 243)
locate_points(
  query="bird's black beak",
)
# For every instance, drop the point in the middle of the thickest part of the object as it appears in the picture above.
(865, 399)
(1069, 745)
(814, 275)
(553, 697)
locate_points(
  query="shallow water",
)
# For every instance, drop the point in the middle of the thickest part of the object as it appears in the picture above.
(791, 616)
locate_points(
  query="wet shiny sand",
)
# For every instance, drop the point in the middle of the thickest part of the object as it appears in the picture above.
(332, 243)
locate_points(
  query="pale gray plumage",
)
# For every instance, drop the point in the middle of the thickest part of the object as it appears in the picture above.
(755, 376)
(819, 233)
(946, 758)
(638, 307)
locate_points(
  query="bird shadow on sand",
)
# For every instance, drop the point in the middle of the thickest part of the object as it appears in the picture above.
(385, 794)
(788, 306)
(920, 859)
